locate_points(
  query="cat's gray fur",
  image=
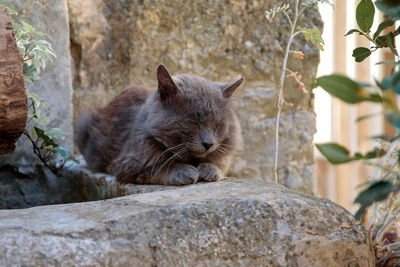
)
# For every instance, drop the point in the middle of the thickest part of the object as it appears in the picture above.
(182, 132)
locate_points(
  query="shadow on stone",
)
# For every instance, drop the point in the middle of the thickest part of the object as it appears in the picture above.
(29, 186)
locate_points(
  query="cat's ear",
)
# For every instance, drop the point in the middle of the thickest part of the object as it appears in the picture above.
(228, 88)
(166, 86)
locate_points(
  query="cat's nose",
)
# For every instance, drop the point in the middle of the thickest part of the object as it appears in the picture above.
(207, 145)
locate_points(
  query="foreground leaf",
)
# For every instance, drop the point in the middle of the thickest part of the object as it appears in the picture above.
(47, 141)
(56, 133)
(345, 89)
(62, 152)
(361, 53)
(376, 192)
(392, 82)
(383, 25)
(365, 15)
(10, 8)
(353, 31)
(390, 8)
(334, 153)
(394, 118)
(387, 40)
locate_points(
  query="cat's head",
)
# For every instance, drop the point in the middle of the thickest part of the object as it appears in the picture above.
(191, 115)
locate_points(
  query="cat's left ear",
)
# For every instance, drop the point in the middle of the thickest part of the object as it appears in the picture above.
(228, 88)
(167, 89)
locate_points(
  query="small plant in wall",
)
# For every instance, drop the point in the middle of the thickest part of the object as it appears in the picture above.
(35, 54)
(292, 13)
(384, 184)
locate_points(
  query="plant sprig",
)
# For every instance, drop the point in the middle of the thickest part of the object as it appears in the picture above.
(313, 35)
(35, 54)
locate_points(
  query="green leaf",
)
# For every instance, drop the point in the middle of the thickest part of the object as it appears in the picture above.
(40, 118)
(346, 89)
(391, 82)
(75, 160)
(30, 72)
(334, 153)
(386, 40)
(36, 100)
(376, 192)
(353, 31)
(10, 8)
(375, 153)
(361, 118)
(62, 152)
(394, 118)
(393, 63)
(365, 15)
(55, 133)
(361, 53)
(28, 28)
(47, 141)
(383, 25)
(313, 35)
(390, 8)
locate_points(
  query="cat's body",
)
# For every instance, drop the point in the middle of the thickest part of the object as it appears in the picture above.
(182, 132)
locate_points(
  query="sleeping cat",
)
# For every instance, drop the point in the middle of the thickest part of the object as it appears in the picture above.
(182, 132)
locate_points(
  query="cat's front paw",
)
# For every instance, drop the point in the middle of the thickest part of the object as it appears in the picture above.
(209, 172)
(184, 175)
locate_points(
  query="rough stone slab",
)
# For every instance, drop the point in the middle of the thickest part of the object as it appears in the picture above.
(229, 223)
(55, 85)
(116, 43)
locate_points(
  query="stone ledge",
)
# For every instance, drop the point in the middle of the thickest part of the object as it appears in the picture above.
(234, 222)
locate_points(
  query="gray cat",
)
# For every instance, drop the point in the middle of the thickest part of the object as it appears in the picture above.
(182, 132)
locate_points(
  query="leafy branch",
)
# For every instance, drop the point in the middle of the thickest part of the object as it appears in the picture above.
(35, 54)
(382, 191)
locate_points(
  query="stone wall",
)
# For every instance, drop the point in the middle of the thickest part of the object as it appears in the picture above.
(55, 85)
(115, 43)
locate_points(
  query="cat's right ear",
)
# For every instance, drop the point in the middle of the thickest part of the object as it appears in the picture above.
(167, 89)
(229, 88)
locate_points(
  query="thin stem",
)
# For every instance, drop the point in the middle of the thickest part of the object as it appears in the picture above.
(280, 101)
(296, 33)
(42, 158)
(390, 170)
(385, 259)
(380, 232)
(379, 171)
(397, 244)
(288, 18)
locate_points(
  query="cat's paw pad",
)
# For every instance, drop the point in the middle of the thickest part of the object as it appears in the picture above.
(209, 172)
(184, 175)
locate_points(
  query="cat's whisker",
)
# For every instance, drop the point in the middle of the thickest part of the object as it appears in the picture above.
(222, 148)
(182, 150)
(223, 151)
(170, 160)
(169, 164)
(161, 154)
(227, 146)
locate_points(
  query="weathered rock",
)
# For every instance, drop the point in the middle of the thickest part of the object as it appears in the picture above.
(116, 43)
(55, 85)
(13, 98)
(35, 185)
(229, 223)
